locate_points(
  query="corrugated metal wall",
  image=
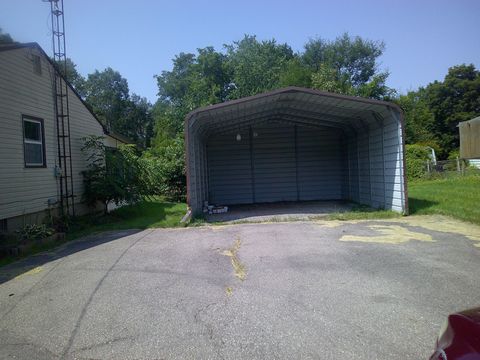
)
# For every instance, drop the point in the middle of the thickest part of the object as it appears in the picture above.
(375, 166)
(276, 162)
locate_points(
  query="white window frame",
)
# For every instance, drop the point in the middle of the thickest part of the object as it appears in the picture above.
(40, 142)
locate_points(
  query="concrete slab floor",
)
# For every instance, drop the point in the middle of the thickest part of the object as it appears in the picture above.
(280, 211)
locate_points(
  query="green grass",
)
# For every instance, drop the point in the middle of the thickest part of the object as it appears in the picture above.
(146, 214)
(362, 212)
(458, 197)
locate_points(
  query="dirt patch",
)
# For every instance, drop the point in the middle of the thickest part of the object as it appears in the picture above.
(390, 234)
(443, 224)
(394, 231)
(238, 267)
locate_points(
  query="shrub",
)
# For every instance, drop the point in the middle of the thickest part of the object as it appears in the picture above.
(171, 169)
(118, 175)
(34, 232)
(416, 157)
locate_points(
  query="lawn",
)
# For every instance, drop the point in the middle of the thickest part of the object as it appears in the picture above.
(457, 197)
(146, 214)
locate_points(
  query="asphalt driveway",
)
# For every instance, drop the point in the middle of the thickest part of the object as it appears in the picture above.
(329, 290)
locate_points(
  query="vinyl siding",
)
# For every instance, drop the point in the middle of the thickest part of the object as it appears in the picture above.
(27, 190)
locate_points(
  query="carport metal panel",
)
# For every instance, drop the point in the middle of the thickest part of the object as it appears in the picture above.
(374, 140)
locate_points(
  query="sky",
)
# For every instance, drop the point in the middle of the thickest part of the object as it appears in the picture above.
(140, 38)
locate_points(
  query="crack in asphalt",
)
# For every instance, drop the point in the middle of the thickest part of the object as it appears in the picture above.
(89, 301)
(217, 342)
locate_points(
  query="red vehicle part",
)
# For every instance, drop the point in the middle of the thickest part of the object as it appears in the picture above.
(460, 338)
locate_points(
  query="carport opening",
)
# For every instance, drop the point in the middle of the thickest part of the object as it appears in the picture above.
(296, 145)
(276, 161)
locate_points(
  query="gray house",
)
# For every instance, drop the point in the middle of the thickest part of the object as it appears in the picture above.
(29, 139)
(296, 144)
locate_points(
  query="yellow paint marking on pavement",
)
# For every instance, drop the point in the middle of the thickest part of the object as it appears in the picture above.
(390, 234)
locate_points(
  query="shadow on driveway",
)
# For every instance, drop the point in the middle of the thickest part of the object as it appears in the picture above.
(280, 211)
(22, 266)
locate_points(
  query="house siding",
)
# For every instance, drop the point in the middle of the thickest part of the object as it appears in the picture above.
(23, 92)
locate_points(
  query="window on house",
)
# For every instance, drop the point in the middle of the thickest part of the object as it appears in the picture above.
(37, 65)
(33, 142)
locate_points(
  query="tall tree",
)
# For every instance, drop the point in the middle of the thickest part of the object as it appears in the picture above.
(195, 80)
(453, 100)
(107, 93)
(433, 112)
(69, 71)
(136, 121)
(419, 119)
(347, 65)
(295, 73)
(256, 66)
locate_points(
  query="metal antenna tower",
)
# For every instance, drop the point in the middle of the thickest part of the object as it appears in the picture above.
(62, 113)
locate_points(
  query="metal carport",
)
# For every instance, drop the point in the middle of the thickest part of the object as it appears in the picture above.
(296, 144)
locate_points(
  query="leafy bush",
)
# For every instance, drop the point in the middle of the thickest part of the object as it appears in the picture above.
(34, 232)
(118, 175)
(101, 185)
(171, 169)
(416, 157)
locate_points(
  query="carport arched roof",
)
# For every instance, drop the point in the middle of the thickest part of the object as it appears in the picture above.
(292, 104)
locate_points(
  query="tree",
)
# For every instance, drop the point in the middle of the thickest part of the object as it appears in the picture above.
(419, 119)
(455, 99)
(136, 121)
(348, 66)
(195, 80)
(433, 112)
(118, 175)
(69, 71)
(107, 93)
(171, 167)
(5, 38)
(295, 73)
(256, 65)
(102, 184)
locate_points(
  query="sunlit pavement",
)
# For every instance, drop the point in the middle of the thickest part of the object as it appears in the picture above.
(329, 290)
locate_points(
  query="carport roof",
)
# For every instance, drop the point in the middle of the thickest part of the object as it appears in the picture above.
(292, 104)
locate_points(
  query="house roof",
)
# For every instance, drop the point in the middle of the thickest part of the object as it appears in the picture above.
(34, 45)
(120, 137)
